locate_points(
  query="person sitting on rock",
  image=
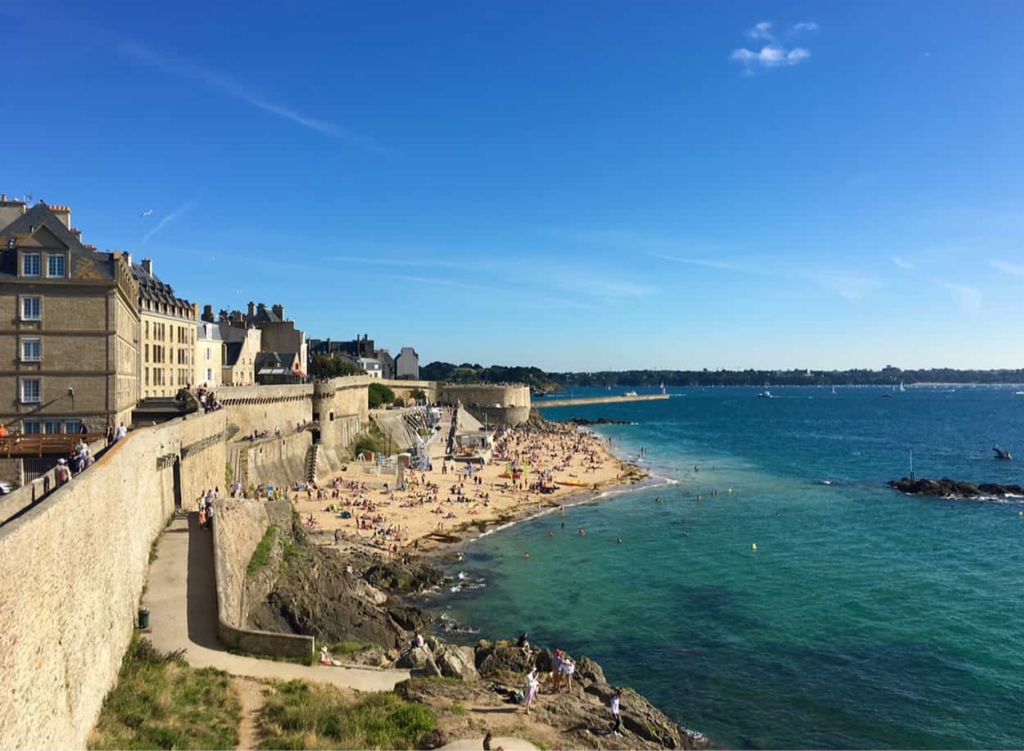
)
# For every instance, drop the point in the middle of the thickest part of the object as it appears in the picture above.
(524, 643)
(417, 640)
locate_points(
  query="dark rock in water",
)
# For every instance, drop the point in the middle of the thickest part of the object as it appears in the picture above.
(946, 488)
(599, 421)
(402, 578)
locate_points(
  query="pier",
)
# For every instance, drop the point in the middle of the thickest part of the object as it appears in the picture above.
(598, 400)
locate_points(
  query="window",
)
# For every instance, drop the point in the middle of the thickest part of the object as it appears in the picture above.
(72, 426)
(51, 426)
(31, 308)
(147, 329)
(31, 350)
(55, 265)
(209, 354)
(30, 427)
(30, 264)
(147, 376)
(31, 390)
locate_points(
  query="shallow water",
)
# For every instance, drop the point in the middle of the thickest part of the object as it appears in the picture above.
(863, 619)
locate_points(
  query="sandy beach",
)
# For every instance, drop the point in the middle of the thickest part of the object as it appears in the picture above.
(429, 512)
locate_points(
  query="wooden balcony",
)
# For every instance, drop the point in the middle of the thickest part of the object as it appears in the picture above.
(20, 445)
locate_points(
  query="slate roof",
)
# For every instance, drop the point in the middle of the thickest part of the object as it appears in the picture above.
(232, 351)
(151, 288)
(85, 262)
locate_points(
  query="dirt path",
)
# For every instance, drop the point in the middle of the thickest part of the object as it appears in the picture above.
(251, 694)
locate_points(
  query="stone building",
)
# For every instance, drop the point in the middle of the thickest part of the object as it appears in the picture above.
(209, 354)
(241, 346)
(168, 334)
(69, 355)
(278, 334)
(407, 364)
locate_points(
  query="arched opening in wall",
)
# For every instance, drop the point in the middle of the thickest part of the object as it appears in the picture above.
(316, 436)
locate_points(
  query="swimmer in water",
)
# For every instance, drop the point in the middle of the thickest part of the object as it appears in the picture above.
(582, 532)
(696, 468)
(685, 533)
(658, 499)
(551, 533)
(618, 540)
(526, 554)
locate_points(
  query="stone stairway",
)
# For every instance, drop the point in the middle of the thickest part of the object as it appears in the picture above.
(311, 457)
(242, 475)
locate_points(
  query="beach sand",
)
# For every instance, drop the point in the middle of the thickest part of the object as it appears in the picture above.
(420, 520)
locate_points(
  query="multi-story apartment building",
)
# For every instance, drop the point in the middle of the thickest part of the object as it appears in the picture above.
(407, 364)
(241, 346)
(69, 349)
(168, 334)
(209, 356)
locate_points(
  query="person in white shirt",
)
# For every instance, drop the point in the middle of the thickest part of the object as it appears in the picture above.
(614, 705)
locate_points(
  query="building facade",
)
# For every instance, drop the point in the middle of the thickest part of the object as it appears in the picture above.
(241, 346)
(209, 355)
(407, 364)
(69, 353)
(168, 334)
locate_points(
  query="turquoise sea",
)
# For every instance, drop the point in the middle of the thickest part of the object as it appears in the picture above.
(864, 619)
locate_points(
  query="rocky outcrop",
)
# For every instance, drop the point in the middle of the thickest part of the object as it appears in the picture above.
(946, 488)
(599, 421)
(500, 658)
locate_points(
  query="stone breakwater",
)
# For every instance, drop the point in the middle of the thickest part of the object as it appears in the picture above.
(947, 488)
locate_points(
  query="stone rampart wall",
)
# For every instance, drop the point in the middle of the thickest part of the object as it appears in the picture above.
(279, 461)
(404, 389)
(499, 415)
(72, 570)
(36, 490)
(484, 395)
(238, 527)
(262, 408)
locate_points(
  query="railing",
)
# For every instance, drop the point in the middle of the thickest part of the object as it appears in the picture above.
(18, 445)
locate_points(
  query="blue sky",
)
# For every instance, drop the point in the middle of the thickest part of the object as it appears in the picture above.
(573, 185)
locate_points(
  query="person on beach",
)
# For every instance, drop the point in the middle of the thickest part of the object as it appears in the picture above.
(524, 643)
(532, 686)
(615, 706)
(556, 671)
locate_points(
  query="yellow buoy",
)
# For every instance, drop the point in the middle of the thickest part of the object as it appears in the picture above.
(753, 546)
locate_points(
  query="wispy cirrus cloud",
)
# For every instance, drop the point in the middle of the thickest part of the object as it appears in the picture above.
(773, 54)
(1015, 269)
(232, 87)
(902, 262)
(968, 299)
(177, 213)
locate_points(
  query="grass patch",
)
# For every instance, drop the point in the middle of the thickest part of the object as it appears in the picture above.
(458, 709)
(539, 744)
(299, 716)
(348, 648)
(161, 702)
(289, 552)
(152, 549)
(311, 660)
(262, 551)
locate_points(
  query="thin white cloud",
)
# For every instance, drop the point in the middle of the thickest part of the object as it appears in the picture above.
(804, 27)
(761, 30)
(770, 56)
(773, 54)
(968, 299)
(225, 83)
(187, 206)
(1015, 269)
(902, 262)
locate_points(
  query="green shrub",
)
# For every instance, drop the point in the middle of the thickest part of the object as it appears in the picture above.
(161, 702)
(262, 551)
(298, 715)
(379, 394)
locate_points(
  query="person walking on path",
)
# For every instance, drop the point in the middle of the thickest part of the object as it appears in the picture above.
(614, 705)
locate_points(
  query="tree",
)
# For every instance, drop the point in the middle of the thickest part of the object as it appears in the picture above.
(380, 394)
(418, 395)
(322, 366)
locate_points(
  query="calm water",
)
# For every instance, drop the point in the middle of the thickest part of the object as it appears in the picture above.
(864, 619)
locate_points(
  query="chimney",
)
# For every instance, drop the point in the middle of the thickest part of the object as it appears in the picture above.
(77, 233)
(252, 309)
(147, 266)
(279, 311)
(127, 257)
(63, 213)
(262, 307)
(208, 313)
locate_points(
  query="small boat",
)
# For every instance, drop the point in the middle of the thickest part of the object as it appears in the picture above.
(901, 386)
(663, 387)
(631, 392)
(1002, 453)
(765, 395)
(833, 389)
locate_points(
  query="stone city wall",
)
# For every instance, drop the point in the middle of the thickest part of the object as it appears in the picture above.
(34, 491)
(503, 405)
(266, 407)
(72, 570)
(279, 461)
(404, 389)
(238, 527)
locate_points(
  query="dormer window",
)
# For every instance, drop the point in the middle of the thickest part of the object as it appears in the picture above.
(55, 265)
(31, 264)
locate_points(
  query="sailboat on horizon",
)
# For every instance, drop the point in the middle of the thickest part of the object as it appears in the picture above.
(901, 386)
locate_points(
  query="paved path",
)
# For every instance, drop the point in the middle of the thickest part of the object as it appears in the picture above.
(182, 600)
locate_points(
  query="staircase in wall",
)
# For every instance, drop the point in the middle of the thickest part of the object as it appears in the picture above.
(242, 471)
(311, 457)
